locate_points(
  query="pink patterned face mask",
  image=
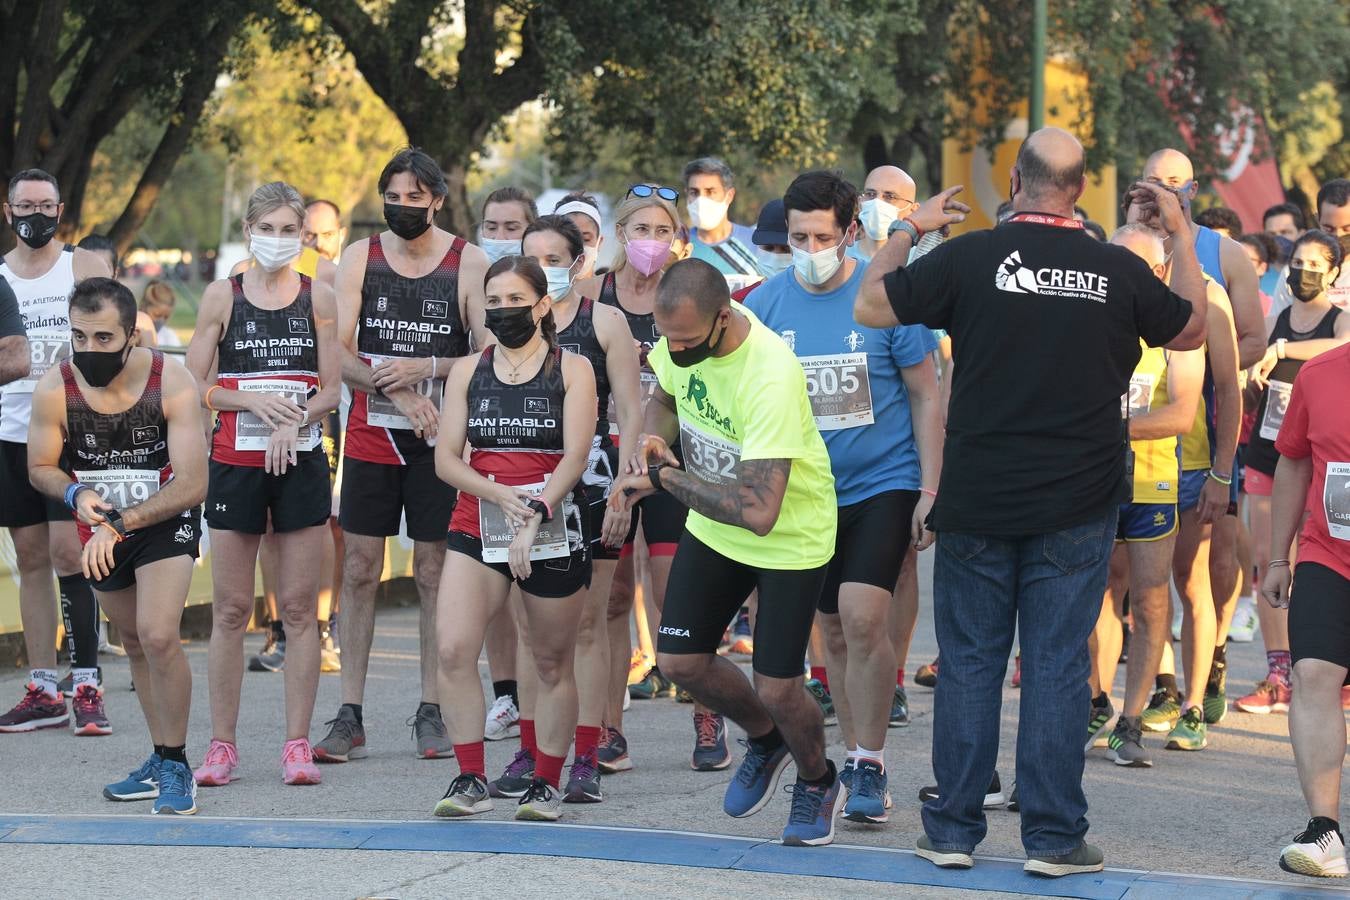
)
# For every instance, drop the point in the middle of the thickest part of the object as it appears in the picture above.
(647, 256)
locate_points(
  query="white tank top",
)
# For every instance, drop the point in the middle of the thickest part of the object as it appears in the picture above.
(45, 304)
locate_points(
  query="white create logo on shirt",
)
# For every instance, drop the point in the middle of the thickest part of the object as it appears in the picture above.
(853, 340)
(1014, 277)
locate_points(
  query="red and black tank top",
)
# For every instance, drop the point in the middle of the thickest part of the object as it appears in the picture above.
(515, 431)
(403, 317)
(579, 337)
(267, 350)
(124, 455)
(645, 332)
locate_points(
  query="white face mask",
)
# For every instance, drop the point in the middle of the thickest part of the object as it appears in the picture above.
(496, 249)
(591, 258)
(707, 213)
(877, 215)
(819, 267)
(773, 263)
(559, 280)
(273, 253)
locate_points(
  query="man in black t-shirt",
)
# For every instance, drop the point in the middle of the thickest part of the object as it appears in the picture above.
(14, 354)
(1045, 325)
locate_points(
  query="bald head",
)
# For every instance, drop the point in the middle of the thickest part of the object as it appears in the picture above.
(1169, 167)
(1143, 242)
(890, 179)
(1049, 167)
(697, 282)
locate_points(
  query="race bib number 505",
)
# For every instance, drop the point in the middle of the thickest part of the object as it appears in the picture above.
(839, 390)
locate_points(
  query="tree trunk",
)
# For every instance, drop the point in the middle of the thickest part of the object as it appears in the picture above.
(183, 122)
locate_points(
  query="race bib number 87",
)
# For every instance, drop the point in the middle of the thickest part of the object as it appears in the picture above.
(839, 390)
(44, 353)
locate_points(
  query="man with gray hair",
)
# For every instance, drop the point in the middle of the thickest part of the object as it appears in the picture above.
(709, 189)
(1045, 325)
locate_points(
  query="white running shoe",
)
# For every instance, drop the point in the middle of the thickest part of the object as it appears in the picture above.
(503, 720)
(1319, 851)
(1245, 622)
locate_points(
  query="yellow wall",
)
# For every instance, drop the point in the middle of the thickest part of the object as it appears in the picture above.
(986, 177)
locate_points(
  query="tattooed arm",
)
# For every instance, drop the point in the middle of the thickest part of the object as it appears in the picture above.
(752, 501)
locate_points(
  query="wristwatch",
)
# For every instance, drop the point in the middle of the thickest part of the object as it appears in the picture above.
(907, 227)
(114, 519)
(540, 507)
(654, 474)
(1279, 347)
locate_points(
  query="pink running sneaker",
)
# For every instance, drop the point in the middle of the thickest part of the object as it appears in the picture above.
(90, 719)
(297, 763)
(37, 709)
(217, 770)
(1272, 695)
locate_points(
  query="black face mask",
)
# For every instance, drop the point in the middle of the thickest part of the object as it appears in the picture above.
(35, 229)
(1304, 284)
(408, 222)
(512, 325)
(692, 356)
(100, 367)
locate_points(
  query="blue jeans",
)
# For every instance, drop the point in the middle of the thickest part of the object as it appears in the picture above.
(1050, 586)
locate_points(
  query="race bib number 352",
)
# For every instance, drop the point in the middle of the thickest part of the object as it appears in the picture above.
(839, 390)
(711, 458)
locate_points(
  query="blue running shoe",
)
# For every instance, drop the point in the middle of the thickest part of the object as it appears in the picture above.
(755, 781)
(867, 794)
(846, 773)
(142, 784)
(177, 790)
(811, 821)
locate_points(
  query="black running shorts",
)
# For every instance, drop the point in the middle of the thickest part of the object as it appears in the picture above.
(239, 498)
(870, 544)
(21, 504)
(1319, 615)
(661, 517)
(173, 537)
(706, 589)
(375, 496)
(548, 577)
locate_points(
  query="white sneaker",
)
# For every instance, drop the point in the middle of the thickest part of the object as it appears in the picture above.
(1320, 853)
(627, 699)
(1245, 622)
(503, 720)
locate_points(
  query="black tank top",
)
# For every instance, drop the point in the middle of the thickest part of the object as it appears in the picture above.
(403, 317)
(1261, 454)
(579, 337)
(124, 455)
(643, 325)
(270, 349)
(515, 431)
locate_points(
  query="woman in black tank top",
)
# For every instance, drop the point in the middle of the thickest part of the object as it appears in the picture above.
(527, 410)
(1308, 328)
(601, 334)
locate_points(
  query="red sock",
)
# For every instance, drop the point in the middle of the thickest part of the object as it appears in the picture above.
(527, 737)
(548, 767)
(470, 758)
(819, 674)
(587, 739)
(900, 677)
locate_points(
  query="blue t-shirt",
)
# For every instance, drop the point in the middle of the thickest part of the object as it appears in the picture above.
(853, 379)
(733, 256)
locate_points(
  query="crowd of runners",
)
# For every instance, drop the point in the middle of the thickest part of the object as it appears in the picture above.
(729, 440)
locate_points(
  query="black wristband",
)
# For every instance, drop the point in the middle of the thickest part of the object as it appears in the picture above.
(115, 520)
(540, 507)
(654, 474)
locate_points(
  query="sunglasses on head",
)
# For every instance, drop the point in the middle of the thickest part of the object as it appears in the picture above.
(646, 190)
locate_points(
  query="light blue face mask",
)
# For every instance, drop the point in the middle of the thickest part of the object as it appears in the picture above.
(559, 280)
(496, 249)
(772, 263)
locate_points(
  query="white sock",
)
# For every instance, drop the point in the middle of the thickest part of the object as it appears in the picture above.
(45, 679)
(1247, 600)
(81, 676)
(876, 756)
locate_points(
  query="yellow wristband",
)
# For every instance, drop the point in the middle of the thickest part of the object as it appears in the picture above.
(207, 398)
